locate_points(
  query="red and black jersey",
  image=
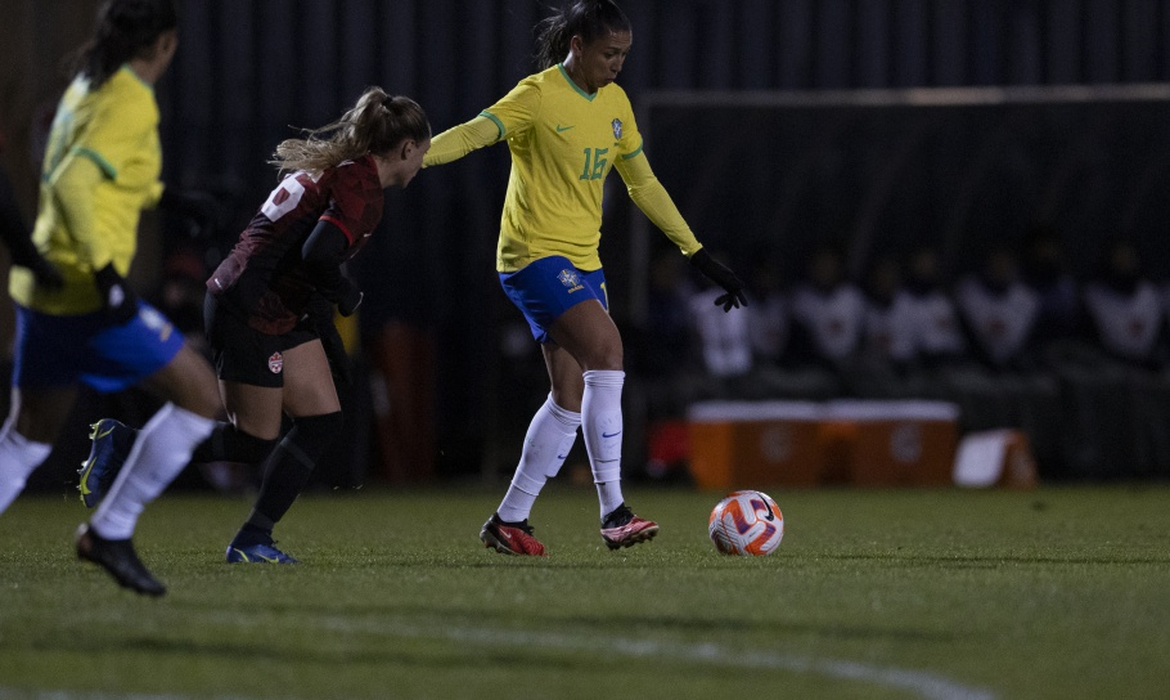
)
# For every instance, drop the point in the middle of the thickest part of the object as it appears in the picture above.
(264, 274)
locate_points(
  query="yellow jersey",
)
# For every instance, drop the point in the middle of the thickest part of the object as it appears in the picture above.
(101, 168)
(563, 142)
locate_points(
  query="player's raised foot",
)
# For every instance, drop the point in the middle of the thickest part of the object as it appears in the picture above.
(258, 554)
(111, 445)
(119, 559)
(622, 528)
(510, 538)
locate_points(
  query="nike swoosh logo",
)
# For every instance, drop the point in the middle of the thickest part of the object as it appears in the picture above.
(768, 509)
(505, 534)
(561, 456)
(257, 555)
(609, 435)
(564, 128)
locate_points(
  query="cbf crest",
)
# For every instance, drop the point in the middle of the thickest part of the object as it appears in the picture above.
(617, 129)
(571, 279)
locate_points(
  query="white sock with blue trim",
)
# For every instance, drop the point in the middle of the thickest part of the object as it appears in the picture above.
(601, 424)
(550, 436)
(161, 451)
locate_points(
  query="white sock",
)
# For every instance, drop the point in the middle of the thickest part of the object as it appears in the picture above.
(550, 436)
(19, 457)
(601, 423)
(160, 452)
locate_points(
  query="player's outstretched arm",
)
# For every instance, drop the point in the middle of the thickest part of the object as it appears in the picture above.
(458, 141)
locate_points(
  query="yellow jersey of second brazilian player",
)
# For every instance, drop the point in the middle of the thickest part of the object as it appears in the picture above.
(88, 211)
(563, 143)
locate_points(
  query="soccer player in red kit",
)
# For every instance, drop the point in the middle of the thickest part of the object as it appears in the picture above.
(271, 300)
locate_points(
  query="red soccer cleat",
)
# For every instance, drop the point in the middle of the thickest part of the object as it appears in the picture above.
(510, 538)
(622, 528)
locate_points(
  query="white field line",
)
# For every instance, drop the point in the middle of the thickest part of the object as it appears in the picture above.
(927, 685)
(922, 683)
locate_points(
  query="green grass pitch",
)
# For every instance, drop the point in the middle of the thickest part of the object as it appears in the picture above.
(1061, 592)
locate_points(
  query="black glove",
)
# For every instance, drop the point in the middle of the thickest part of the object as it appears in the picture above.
(721, 275)
(117, 299)
(46, 275)
(347, 297)
(200, 211)
(321, 316)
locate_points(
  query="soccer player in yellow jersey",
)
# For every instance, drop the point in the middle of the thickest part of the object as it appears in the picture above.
(101, 169)
(566, 127)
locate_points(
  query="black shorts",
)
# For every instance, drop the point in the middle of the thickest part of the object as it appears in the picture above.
(243, 354)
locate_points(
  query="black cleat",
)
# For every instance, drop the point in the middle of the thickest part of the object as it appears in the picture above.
(119, 559)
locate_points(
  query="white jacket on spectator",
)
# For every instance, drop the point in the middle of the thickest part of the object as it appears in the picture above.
(1001, 321)
(725, 341)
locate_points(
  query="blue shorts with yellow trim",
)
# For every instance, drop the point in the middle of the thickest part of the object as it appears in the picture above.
(56, 351)
(546, 288)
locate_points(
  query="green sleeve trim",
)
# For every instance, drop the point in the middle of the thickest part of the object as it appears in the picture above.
(106, 167)
(499, 124)
(634, 153)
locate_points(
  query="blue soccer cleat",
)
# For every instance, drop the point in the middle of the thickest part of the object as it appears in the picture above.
(258, 554)
(111, 446)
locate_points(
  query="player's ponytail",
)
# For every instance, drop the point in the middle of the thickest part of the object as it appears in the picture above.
(589, 19)
(380, 121)
(376, 124)
(125, 29)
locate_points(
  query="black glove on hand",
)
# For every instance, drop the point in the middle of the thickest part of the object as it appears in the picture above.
(721, 275)
(46, 275)
(200, 211)
(348, 298)
(119, 302)
(321, 316)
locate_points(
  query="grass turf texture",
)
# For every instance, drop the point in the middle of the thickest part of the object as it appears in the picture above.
(1054, 593)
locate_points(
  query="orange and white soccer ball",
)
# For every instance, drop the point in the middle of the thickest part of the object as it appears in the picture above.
(748, 523)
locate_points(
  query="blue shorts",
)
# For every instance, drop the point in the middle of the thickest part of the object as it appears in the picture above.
(56, 351)
(546, 288)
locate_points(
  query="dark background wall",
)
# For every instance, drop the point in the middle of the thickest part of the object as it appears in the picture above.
(248, 70)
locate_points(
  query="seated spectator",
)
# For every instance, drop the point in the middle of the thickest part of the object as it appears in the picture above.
(888, 334)
(1119, 399)
(829, 313)
(999, 310)
(1045, 270)
(939, 337)
(1124, 309)
(887, 355)
(769, 322)
(724, 339)
(773, 374)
